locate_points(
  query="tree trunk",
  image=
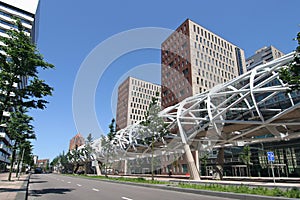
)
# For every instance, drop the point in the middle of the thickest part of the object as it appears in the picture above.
(76, 168)
(152, 161)
(18, 166)
(12, 161)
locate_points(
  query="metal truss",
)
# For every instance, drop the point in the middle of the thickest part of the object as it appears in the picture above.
(254, 107)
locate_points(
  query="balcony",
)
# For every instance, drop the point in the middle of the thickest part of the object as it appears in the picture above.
(5, 148)
(4, 136)
(4, 159)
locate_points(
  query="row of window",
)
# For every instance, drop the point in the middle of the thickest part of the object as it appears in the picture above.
(138, 100)
(136, 117)
(141, 85)
(140, 106)
(208, 84)
(213, 46)
(216, 70)
(175, 82)
(209, 36)
(144, 93)
(176, 40)
(219, 74)
(12, 25)
(215, 55)
(25, 21)
(174, 49)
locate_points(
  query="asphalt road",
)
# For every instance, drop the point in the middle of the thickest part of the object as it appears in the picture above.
(53, 186)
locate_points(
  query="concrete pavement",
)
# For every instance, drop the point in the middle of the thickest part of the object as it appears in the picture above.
(15, 189)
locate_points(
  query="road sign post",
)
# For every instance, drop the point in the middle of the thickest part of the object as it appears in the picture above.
(271, 159)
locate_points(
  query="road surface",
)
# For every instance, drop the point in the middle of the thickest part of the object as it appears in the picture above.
(53, 186)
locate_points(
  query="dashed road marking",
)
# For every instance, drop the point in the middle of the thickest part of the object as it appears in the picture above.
(78, 185)
(69, 182)
(95, 189)
(125, 198)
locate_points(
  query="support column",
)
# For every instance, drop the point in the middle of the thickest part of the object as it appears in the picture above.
(220, 164)
(196, 158)
(98, 170)
(194, 173)
(125, 167)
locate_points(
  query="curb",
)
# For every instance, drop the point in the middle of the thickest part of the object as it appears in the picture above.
(23, 193)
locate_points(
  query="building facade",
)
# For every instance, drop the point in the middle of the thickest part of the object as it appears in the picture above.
(134, 98)
(194, 59)
(27, 12)
(76, 141)
(44, 164)
(262, 56)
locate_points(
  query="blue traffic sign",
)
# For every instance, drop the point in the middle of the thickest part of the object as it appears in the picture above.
(271, 157)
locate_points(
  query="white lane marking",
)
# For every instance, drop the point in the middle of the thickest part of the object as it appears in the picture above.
(78, 185)
(126, 198)
(95, 189)
(69, 182)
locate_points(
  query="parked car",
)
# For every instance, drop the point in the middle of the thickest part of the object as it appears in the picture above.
(38, 170)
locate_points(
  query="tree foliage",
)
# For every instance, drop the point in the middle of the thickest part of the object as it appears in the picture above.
(87, 152)
(20, 62)
(112, 130)
(20, 130)
(291, 74)
(245, 156)
(20, 86)
(153, 129)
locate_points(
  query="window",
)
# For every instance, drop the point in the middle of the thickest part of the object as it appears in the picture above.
(185, 71)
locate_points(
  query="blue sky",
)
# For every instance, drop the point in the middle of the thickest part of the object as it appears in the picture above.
(69, 30)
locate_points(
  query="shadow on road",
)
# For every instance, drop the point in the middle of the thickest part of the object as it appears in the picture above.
(11, 190)
(38, 181)
(48, 191)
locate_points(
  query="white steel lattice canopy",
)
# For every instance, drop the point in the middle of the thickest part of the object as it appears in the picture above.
(254, 107)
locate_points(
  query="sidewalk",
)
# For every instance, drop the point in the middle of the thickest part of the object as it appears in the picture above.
(15, 189)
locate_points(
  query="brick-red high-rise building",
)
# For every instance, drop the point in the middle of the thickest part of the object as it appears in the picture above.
(194, 60)
(77, 140)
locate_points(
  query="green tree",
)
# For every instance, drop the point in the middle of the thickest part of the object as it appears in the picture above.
(245, 156)
(61, 163)
(153, 128)
(87, 152)
(291, 74)
(74, 157)
(25, 156)
(19, 129)
(112, 130)
(20, 86)
(20, 60)
(203, 160)
(108, 144)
